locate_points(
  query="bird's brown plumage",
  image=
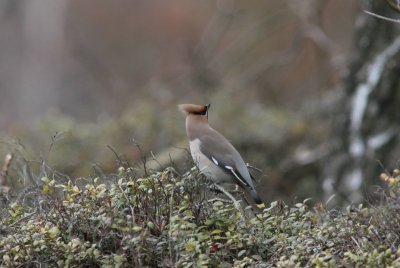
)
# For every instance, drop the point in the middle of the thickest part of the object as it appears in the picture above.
(213, 153)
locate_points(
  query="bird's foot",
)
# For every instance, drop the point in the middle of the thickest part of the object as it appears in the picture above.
(214, 189)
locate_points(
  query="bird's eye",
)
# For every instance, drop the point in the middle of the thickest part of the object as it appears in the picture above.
(204, 113)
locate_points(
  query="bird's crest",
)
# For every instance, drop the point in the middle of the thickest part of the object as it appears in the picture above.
(194, 108)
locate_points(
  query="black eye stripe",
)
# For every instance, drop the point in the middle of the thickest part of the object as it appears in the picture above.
(201, 113)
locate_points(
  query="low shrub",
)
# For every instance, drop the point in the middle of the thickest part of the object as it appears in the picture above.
(168, 220)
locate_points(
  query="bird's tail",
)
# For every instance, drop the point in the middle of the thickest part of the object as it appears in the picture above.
(255, 196)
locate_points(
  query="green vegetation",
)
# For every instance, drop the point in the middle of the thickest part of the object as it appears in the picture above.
(80, 145)
(167, 219)
(79, 148)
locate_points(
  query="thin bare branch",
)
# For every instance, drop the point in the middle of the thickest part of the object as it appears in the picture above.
(381, 17)
(395, 4)
(121, 162)
(155, 159)
(4, 171)
(144, 159)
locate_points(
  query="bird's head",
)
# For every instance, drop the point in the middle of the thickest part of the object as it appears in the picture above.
(193, 109)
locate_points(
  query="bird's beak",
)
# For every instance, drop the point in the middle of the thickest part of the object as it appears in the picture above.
(207, 107)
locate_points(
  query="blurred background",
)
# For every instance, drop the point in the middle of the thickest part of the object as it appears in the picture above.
(78, 76)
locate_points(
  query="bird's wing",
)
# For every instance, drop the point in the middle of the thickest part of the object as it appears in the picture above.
(221, 153)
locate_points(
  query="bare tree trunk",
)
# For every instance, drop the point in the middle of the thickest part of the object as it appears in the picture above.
(41, 60)
(367, 130)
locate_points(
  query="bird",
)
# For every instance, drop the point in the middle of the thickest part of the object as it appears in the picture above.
(213, 154)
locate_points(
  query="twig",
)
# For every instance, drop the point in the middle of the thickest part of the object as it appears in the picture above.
(128, 201)
(382, 17)
(23, 218)
(155, 159)
(4, 171)
(57, 137)
(394, 5)
(144, 160)
(330, 199)
(120, 161)
(27, 173)
(355, 241)
(219, 199)
(97, 170)
(251, 167)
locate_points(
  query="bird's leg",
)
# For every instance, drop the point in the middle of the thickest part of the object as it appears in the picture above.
(219, 189)
(214, 189)
(225, 192)
(236, 190)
